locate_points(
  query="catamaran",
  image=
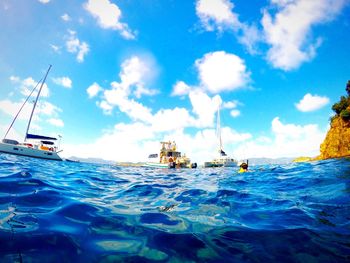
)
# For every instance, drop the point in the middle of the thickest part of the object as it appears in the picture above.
(222, 160)
(169, 157)
(39, 146)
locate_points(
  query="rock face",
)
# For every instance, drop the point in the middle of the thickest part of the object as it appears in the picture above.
(337, 141)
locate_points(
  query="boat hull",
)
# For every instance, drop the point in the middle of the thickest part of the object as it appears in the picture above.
(156, 165)
(30, 152)
(220, 164)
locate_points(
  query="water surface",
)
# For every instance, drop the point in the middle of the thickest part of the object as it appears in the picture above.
(77, 212)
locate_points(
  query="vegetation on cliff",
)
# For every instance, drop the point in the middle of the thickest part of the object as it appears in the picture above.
(337, 141)
(341, 108)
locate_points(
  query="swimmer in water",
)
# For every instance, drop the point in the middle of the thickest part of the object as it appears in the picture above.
(243, 167)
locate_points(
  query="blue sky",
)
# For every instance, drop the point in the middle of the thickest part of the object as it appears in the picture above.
(129, 74)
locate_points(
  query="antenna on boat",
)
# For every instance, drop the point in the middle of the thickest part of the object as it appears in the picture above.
(36, 100)
(13, 121)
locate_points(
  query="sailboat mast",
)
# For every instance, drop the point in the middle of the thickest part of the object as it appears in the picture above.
(218, 129)
(36, 101)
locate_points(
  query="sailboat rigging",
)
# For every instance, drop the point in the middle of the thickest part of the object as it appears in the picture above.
(218, 132)
(43, 146)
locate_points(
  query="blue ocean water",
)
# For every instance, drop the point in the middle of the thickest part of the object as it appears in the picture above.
(77, 212)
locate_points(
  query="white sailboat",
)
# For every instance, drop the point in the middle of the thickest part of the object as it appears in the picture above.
(39, 146)
(222, 160)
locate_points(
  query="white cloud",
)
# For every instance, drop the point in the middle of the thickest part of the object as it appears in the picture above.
(287, 140)
(203, 113)
(171, 119)
(83, 49)
(47, 108)
(55, 48)
(135, 110)
(250, 36)
(63, 81)
(108, 16)
(142, 90)
(93, 90)
(44, 1)
(204, 107)
(75, 46)
(56, 122)
(136, 73)
(220, 71)
(289, 31)
(230, 104)
(180, 88)
(15, 79)
(217, 14)
(107, 108)
(235, 113)
(311, 103)
(65, 17)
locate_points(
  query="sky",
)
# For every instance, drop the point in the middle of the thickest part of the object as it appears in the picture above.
(128, 74)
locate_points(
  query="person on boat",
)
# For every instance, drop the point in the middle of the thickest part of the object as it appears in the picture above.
(243, 167)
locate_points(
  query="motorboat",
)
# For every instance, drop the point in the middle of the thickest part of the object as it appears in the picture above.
(169, 157)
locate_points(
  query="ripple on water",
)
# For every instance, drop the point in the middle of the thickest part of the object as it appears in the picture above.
(157, 218)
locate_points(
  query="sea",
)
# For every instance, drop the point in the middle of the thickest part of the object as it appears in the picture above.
(81, 212)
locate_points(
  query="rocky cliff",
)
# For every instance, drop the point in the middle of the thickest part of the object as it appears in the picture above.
(337, 141)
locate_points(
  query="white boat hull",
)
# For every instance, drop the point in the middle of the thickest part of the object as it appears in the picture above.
(220, 164)
(30, 152)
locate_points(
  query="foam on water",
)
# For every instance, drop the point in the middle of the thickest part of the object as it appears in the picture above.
(65, 212)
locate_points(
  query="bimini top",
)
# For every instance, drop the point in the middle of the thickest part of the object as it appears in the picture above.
(39, 137)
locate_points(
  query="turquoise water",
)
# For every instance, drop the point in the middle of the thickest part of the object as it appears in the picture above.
(77, 212)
